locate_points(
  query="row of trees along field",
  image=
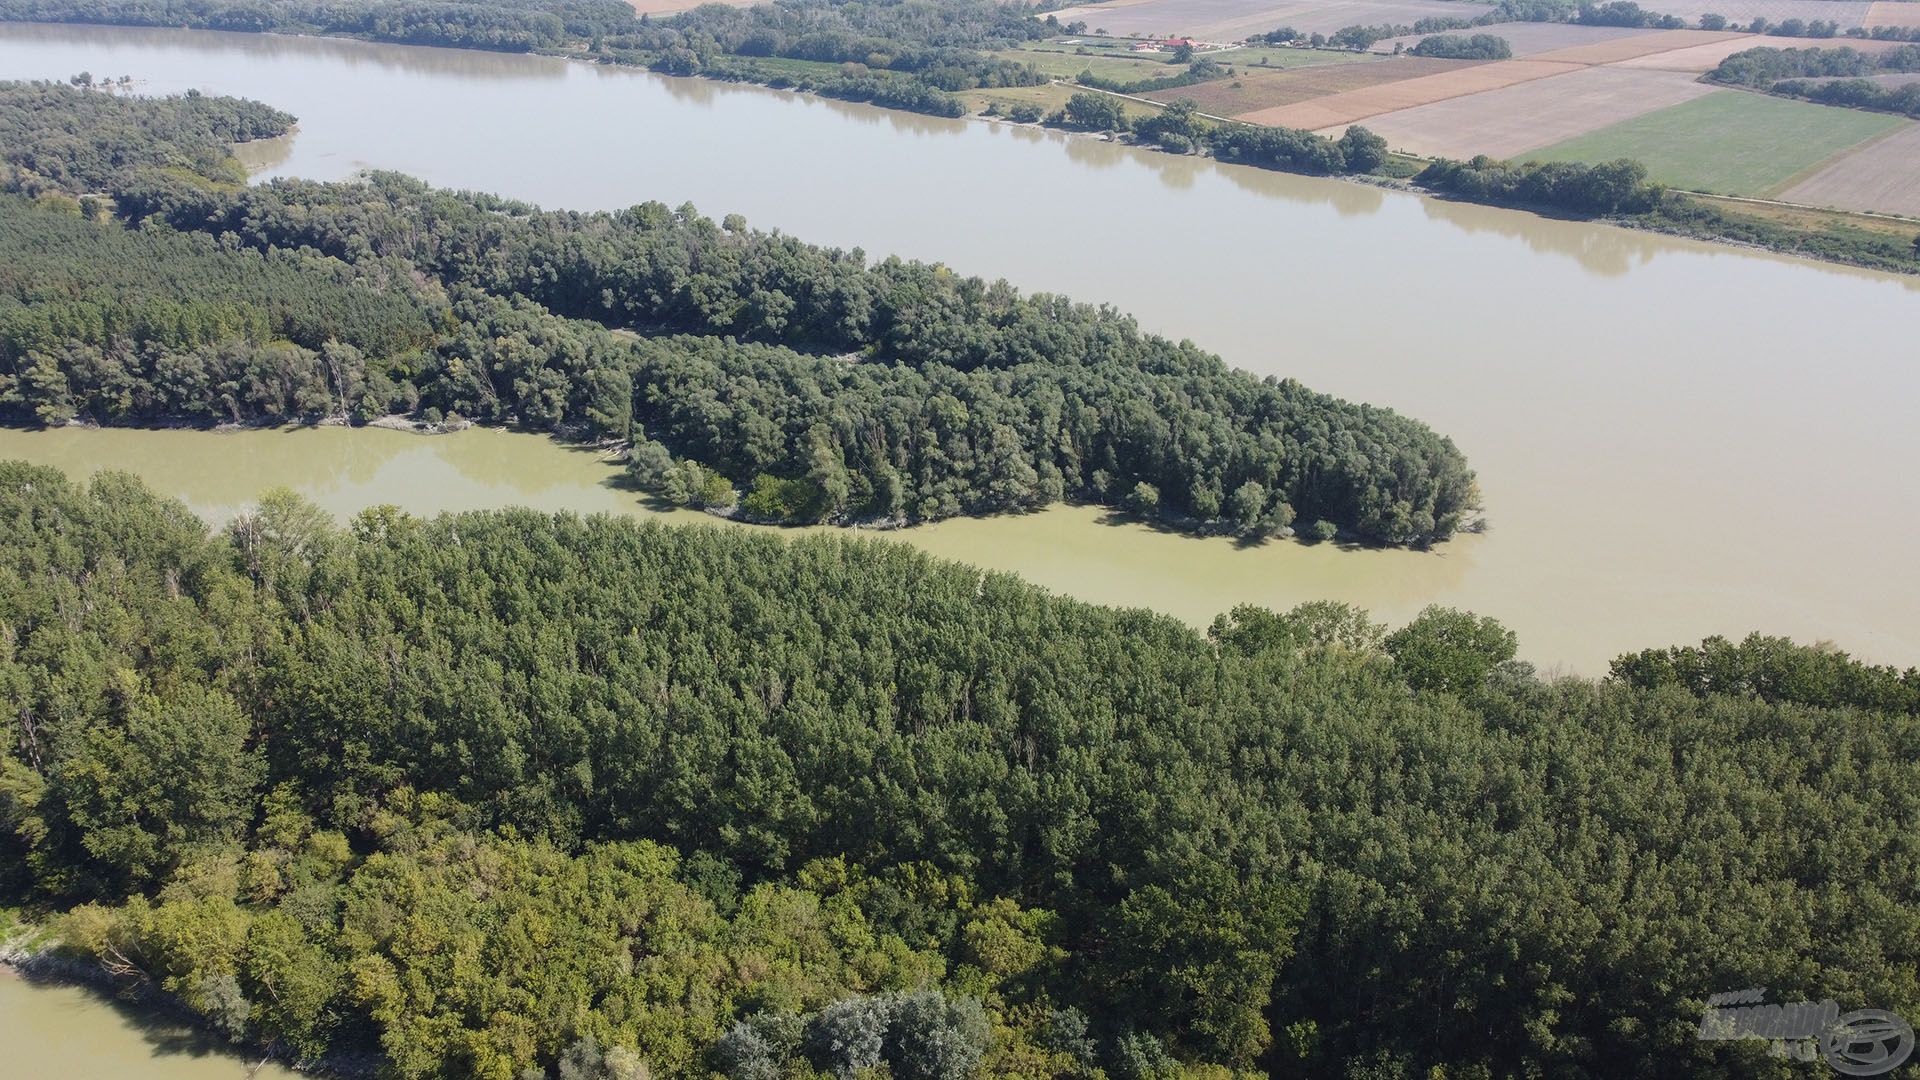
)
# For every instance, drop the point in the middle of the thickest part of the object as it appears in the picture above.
(511, 796)
(521, 26)
(829, 385)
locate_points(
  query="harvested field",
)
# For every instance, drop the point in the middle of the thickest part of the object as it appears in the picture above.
(1508, 122)
(1628, 48)
(1893, 14)
(1270, 89)
(1355, 105)
(1877, 177)
(1233, 20)
(1529, 38)
(1729, 141)
(1704, 58)
(1698, 59)
(1845, 12)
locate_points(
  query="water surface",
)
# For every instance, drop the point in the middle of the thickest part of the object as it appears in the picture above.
(1674, 438)
(56, 1032)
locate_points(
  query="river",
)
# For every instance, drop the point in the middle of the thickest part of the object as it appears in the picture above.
(1674, 439)
(56, 1032)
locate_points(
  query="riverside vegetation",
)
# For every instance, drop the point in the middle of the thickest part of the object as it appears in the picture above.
(510, 795)
(825, 386)
(920, 57)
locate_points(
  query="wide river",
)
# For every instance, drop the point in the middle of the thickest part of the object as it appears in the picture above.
(1674, 439)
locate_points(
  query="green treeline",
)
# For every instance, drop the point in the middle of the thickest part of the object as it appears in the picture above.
(1844, 76)
(1615, 187)
(469, 24)
(936, 49)
(510, 795)
(1857, 94)
(1464, 47)
(891, 389)
(1761, 68)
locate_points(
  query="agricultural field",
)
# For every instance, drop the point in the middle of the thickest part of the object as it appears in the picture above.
(1528, 38)
(1650, 43)
(1877, 176)
(1235, 20)
(1388, 97)
(1512, 120)
(1730, 141)
(1894, 14)
(1845, 12)
(1118, 61)
(1254, 91)
(1125, 67)
(1700, 59)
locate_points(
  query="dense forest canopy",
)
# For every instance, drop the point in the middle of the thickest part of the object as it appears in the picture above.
(496, 793)
(827, 385)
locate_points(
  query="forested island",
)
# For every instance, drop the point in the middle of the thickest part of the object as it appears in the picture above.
(517, 796)
(140, 283)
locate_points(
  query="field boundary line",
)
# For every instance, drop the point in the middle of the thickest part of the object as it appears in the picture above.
(1797, 205)
(1823, 165)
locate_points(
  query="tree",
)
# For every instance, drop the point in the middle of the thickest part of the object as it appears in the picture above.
(1144, 499)
(1089, 111)
(933, 1037)
(176, 772)
(1450, 651)
(1247, 505)
(1363, 150)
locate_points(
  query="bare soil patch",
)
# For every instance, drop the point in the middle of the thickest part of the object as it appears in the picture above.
(1877, 177)
(1527, 39)
(1893, 14)
(1847, 13)
(1508, 122)
(1648, 44)
(1353, 105)
(1704, 58)
(1234, 20)
(1270, 89)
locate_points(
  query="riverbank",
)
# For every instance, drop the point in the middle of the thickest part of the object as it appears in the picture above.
(1822, 234)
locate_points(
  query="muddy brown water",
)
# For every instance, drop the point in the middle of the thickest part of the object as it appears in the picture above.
(1674, 439)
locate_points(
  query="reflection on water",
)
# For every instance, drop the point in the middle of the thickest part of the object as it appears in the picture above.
(76, 1033)
(356, 57)
(1079, 551)
(1674, 439)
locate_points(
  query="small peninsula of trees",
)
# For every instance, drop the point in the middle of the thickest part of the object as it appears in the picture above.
(827, 386)
(516, 795)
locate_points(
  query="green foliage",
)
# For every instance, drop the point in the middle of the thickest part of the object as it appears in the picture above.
(1449, 650)
(1088, 111)
(61, 138)
(932, 821)
(507, 27)
(894, 390)
(1462, 47)
(1615, 187)
(1761, 68)
(1774, 669)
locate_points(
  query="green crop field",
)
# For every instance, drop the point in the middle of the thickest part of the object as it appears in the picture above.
(1732, 142)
